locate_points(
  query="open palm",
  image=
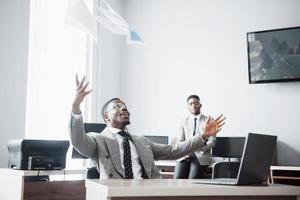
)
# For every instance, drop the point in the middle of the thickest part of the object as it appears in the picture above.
(213, 126)
(80, 94)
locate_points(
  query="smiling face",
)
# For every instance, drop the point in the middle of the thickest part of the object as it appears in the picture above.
(194, 106)
(117, 115)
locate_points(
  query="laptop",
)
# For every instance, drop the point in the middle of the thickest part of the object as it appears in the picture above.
(255, 163)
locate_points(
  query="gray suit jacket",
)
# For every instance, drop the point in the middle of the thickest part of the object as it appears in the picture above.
(103, 149)
(186, 131)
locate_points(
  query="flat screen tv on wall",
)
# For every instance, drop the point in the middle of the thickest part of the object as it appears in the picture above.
(274, 55)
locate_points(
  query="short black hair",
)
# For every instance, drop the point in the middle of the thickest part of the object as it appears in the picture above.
(103, 110)
(193, 96)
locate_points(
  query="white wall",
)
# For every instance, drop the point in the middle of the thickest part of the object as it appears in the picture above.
(14, 29)
(199, 47)
(195, 46)
(109, 58)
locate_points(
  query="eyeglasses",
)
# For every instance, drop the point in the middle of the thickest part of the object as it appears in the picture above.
(118, 106)
(196, 103)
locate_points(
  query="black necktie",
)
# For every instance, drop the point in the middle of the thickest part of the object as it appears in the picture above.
(127, 155)
(195, 126)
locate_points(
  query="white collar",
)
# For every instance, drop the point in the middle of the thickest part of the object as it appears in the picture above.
(114, 130)
(195, 116)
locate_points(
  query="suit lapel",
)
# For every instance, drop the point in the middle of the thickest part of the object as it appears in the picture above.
(114, 152)
(144, 152)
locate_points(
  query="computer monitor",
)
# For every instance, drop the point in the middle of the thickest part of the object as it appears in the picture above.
(158, 139)
(88, 127)
(229, 147)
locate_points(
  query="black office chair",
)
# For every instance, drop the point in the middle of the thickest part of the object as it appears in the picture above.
(92, 172)
(225, 169)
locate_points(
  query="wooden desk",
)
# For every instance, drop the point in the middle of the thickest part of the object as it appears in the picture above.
(285, 174)
(14, 186)
(183, 189)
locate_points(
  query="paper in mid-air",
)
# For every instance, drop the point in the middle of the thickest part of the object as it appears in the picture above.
(78, 15)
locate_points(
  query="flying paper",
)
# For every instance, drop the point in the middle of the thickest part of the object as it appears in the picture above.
(79, 16)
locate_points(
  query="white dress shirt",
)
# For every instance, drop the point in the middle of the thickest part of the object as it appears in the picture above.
(135, 159)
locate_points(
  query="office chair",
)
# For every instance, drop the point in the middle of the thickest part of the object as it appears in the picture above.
(225, 169)
(227, 147)
(92, 172)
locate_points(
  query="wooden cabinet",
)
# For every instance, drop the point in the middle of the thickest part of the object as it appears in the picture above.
(25, 185)
(285, 174)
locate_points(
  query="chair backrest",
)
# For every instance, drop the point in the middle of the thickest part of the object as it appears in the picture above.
(229, 147)
(225, 169)
(92, 173)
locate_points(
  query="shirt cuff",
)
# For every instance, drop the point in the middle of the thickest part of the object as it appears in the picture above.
(76, 116)
(203, 140)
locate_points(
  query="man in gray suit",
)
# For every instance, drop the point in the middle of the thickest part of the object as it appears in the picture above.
(118, 154)
(195, 164)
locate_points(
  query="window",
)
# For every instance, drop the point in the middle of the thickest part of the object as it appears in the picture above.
(56, 53)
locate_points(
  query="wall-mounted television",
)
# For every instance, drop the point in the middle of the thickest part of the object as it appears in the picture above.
(274, 55)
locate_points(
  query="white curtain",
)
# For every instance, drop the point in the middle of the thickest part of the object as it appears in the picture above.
(56, 53)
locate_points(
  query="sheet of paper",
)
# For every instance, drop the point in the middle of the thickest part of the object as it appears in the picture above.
(113, 28)
(79, 16)
(115, 23)
(134, 38)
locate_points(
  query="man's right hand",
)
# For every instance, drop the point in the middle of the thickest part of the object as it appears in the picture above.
(80, 94)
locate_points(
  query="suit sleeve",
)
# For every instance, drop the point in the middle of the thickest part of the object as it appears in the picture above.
(84, 143)
(209, 144)
(172, 152)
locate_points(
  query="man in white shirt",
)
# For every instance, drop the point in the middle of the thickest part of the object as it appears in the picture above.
(120, 155)
(195, 164)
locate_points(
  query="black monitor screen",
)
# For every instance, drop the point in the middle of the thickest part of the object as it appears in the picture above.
(158, 139)
(88, 127)
(227, 147)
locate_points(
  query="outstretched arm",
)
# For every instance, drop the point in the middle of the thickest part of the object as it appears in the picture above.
(169, 152)
(80, 94)
(84, 143)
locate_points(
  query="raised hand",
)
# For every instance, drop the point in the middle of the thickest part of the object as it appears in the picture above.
(80, 94)
(213, 126)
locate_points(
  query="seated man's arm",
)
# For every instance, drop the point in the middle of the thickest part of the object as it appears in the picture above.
(172, 152)
(85, 144)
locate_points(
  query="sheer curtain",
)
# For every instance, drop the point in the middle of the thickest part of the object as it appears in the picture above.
(56, 53)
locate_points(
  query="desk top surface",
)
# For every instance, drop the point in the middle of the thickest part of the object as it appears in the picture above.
(291, 168)
(182, 187)
(8, 171)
